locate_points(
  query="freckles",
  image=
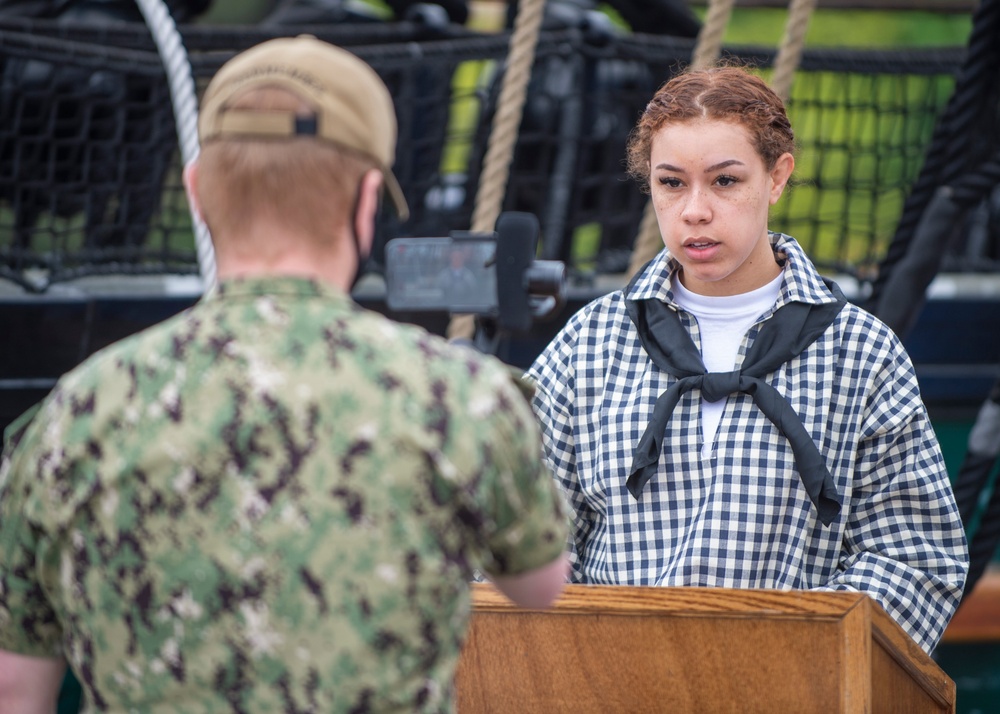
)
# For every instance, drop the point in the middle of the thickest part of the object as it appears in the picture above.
(661, 202)
(744, 201)
(751, 200)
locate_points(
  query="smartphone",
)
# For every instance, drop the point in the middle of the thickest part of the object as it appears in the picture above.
(454, 274)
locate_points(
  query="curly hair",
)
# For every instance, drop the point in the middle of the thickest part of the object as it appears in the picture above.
(720, 93)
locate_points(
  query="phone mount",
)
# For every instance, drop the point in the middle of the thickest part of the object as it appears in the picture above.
(527, 289)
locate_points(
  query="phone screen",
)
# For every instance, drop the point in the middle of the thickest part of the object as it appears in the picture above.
(442, 274)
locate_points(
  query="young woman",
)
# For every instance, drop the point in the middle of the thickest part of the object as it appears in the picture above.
(729, 419)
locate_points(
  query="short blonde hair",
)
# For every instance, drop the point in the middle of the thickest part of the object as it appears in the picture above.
(309, 185)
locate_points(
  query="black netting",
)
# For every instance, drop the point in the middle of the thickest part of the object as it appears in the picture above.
(87, 182)
(90, 176)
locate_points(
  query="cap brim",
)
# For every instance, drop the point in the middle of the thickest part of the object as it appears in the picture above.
(396, 195)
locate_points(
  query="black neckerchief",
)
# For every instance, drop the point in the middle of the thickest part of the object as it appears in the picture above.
(791, 329)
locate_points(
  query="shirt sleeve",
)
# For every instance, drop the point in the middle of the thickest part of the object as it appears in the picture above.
(904, 544)
(28, 624)
(552, 375)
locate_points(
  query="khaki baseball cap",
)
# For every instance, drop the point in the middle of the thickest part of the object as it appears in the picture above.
(353, 106)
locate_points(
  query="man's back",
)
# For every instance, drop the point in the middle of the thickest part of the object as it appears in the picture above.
(273, 502)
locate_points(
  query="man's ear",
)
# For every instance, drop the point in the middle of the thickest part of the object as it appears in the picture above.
(780, 174)
(368, 206)
(191, 188)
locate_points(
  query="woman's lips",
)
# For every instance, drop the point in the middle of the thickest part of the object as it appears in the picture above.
(700, 247)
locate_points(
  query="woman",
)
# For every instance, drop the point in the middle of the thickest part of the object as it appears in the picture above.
(806, 460)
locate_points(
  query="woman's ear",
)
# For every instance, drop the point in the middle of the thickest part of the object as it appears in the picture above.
(368, 206)
(780, 174)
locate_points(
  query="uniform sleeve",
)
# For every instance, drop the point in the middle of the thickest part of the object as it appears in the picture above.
(28, 624)
(904, 544)
(529, 517)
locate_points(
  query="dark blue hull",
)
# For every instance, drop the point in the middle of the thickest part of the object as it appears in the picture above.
(955, 344)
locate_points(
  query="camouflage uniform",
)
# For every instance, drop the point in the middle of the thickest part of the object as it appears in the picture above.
(270, 502)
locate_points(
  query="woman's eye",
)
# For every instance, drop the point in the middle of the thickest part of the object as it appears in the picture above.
(670, 182)
(726, 180)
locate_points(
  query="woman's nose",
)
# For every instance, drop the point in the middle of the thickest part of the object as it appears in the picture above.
(697, 208)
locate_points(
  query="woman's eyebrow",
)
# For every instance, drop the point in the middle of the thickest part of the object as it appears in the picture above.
(723, 164)
(710, 169)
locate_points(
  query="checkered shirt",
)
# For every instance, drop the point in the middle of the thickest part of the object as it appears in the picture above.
(739, 516)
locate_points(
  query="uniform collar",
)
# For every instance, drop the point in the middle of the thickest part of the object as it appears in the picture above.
(275, 285)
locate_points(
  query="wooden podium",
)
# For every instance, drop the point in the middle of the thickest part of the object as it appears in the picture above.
(610, 649)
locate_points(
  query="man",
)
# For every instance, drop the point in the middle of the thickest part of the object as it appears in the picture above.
(275, 500)
(460, 283)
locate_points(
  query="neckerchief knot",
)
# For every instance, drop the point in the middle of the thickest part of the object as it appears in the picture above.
(791, 329)
(719, 385)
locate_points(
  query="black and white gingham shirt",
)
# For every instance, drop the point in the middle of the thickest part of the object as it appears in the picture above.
(739, 516)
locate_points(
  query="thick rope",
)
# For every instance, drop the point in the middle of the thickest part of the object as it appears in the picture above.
(707, 50)
(790, 50)
(648, 243)
(503, 134)
(185, 104)
(708, 46)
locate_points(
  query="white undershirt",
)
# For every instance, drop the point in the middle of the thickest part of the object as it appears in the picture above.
(723, 323)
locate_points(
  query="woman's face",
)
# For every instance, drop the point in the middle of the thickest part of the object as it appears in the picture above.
(711, 192)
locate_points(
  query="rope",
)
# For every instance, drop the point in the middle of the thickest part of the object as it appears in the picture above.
(708, 46)
(707, 50)
(185, 104)
(503, 134)
(790, 51)
(649, 242)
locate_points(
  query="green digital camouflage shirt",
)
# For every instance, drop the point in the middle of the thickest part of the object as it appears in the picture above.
(272, 502)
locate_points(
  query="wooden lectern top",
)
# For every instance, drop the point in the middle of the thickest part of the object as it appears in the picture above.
(647, 649)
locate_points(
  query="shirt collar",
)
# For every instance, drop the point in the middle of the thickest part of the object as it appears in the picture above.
(802, 283)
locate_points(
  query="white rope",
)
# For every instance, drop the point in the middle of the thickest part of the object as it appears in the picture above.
(184, 98)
